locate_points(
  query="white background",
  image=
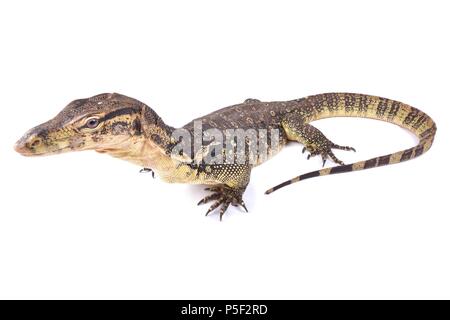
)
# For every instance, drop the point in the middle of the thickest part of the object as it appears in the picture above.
(84, 225)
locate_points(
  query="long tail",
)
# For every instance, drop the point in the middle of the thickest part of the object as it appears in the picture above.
(365, 106)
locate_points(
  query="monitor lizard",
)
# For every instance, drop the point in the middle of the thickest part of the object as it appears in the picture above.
(126, 128)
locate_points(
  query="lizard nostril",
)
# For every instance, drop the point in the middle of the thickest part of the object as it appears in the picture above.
(35, 142)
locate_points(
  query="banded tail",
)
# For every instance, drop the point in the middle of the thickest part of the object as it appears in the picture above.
(372, 107)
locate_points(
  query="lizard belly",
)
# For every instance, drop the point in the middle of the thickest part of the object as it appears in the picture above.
(173, 169)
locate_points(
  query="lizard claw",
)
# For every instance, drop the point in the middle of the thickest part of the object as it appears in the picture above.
(242, 204)
(214, 206)
(144, 170)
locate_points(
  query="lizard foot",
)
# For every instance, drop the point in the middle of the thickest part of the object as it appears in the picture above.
(148, 170)
(325, 152)
(224, 196)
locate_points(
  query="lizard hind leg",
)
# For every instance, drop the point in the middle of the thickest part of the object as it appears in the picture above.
(314, 141)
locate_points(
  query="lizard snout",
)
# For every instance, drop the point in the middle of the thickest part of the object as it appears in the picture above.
(28, 144)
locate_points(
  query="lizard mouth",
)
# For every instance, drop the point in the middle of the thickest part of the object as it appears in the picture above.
(36, 150)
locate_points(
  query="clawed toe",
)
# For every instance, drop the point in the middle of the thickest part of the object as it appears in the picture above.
(336, 160)
(242, 204)
(214, 206)
(223, 202)
(345, 148)
(206, 199)
(224, 196)
(325, 152)
(312, 154)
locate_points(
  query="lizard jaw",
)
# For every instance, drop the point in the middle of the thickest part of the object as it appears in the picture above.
(31, 145)
(27, 152)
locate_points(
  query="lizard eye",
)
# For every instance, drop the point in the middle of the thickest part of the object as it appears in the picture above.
(92, 123)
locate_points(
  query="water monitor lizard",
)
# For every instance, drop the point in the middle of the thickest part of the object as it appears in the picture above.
(128, 129)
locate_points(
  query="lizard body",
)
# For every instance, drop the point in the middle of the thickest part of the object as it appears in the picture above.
(128, 129)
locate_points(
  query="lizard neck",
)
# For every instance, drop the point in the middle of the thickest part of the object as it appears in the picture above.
(148, 148)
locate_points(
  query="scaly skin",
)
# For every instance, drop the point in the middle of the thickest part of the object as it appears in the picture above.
(128, 129)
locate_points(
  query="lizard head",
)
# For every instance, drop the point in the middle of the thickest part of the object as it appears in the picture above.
(98, 123)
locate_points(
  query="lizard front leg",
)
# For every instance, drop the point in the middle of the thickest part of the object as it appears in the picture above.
(232, 181)
(312, 138)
